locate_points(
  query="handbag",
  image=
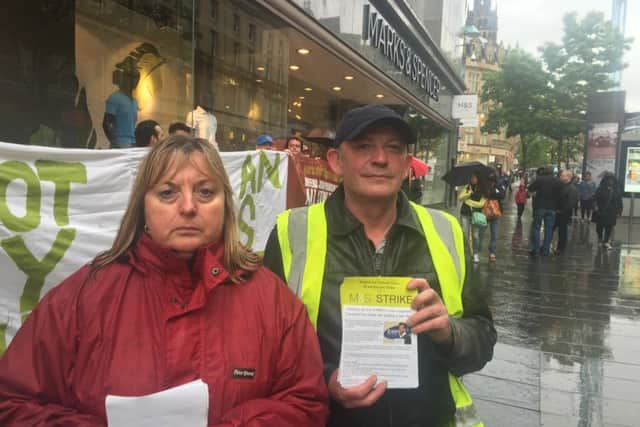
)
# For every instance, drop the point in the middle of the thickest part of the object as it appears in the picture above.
(492, 210)
(478, 219)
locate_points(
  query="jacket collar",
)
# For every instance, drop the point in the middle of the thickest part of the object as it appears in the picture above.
(208, 263)
(343, 222)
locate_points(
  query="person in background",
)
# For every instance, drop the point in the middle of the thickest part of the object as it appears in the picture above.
(473, 197)
(586, 192)
(497, 191)
(608, 206)
(294, 146)
(412, 186)
(148, 133)
(521, 198)
(576, 183)
(547, 194)
(156, 310)
(264, 142)
(567, 201)
(179, 128)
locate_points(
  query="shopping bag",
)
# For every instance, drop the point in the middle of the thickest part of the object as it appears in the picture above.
(478, 219)
(492, 209)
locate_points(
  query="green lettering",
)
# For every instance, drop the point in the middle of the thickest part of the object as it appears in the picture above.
(3, 338)
(35, 270)
(272, 171)
(62, 174)
(242, 224)
(248, 176)
(12, 170)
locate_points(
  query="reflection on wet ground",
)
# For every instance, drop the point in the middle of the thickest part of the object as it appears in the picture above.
(568, 351)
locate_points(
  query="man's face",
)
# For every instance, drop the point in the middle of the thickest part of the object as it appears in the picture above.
(373, 165)
(566, 176)
(295, 146)
(159, 136)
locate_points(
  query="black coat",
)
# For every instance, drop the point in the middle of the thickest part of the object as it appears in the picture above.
(608, 205)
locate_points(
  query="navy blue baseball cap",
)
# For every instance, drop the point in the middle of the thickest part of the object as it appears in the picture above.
(356, 121)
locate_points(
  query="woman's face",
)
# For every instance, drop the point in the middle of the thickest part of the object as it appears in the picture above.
(185, 209)
(474, 180)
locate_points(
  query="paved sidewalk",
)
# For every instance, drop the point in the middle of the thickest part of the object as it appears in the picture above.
(568, 350)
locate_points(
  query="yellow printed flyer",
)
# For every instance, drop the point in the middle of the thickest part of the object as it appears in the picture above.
(375, 339)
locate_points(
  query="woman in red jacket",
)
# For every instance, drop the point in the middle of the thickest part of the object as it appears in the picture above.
(177, 298)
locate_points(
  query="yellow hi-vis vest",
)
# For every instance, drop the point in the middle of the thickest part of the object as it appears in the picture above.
(302, 234)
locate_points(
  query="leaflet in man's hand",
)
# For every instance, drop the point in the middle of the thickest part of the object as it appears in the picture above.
(375, 339)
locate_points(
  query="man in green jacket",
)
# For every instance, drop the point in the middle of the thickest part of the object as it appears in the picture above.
(369, 228)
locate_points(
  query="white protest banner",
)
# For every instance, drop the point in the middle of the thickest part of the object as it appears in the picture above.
(60, 207)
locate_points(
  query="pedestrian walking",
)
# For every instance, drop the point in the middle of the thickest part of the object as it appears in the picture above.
(522, 194)
(493, 210)
(576, 183)
(367, 227)
(547, 191)
(473, 197)
(566, 204)
(608, 206)
(586, 191)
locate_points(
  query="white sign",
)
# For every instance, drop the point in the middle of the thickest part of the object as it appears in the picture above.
(469, 122)
(632, 171)
(464, 106)
(186, 406)
(59, 208)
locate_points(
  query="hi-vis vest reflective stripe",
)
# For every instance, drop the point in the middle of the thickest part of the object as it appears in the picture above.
(302, 234)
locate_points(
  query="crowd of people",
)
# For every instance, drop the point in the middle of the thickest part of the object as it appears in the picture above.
(177, 298)
(556, 202)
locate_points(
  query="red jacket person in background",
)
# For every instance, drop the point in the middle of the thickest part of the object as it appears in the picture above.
(175, 299)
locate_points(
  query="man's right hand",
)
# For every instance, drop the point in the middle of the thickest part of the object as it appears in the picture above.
(361, 395)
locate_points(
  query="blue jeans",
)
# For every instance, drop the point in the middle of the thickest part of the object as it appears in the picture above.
(548, 216)
(493, 228)
(477, 233)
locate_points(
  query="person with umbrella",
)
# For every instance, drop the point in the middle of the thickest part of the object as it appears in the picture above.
(412, 185)
(473, 197)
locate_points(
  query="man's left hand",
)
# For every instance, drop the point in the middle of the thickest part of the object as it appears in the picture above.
(431, 315)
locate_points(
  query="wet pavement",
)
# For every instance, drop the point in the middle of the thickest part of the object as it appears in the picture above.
(568, 351)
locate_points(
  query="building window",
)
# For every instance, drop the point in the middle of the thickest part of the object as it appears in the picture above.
(236, 23)
(214, 9)
(214, 42)
(252, 33)
(236, 53)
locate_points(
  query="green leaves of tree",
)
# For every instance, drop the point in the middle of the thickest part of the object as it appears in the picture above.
(549, 97)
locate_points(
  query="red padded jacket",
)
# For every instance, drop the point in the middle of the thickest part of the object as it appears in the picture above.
(148, 323)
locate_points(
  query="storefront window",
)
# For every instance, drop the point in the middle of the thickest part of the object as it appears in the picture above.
(72, 66)
(432, 148)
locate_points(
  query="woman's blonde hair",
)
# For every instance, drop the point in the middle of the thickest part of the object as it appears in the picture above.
(161, 157)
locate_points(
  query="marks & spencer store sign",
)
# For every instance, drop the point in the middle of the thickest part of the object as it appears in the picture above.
(383, 37)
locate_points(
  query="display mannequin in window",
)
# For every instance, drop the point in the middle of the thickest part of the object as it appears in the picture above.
(202, 120)
(121, 111)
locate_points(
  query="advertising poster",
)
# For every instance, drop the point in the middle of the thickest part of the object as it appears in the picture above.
(632, 171)
(601, 149)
